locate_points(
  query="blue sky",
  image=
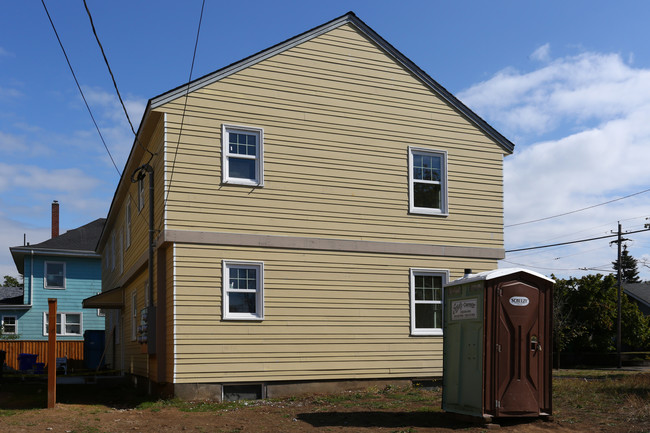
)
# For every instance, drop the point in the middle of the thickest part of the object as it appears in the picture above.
(567, 82)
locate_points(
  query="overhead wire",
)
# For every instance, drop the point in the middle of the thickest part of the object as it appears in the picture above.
(119, 96)
(67, 59)
(187, 91)
(577, 210)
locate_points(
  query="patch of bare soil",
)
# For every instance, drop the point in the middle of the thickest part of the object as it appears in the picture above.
(95, 410)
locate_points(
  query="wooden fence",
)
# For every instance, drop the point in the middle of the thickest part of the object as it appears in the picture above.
(73, 350)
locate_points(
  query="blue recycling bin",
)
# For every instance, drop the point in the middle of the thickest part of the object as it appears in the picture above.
(26, 361)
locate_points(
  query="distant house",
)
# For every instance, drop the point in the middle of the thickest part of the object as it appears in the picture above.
(309, 203)
(639, 293)
(65, 267)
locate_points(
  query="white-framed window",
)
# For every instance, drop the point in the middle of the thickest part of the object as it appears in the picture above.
(120, 252)
(243, 290)
(134, 316)
(9, 325)
(113, 257)
(243, 155)
(428, 181)
(140, 193)
(426, 301)
(54, 275)
(127, 224)
(66, 324)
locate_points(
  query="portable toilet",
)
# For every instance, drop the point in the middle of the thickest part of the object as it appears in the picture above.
(497, 348)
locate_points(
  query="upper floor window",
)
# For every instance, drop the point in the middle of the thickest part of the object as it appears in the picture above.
(242, 150)
(127, 224)
(9, 325)
(140, 193)
(54, 275)
(243, 290)
(426, 301)
(427, 181)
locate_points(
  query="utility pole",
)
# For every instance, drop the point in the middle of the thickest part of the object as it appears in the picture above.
(619, 277)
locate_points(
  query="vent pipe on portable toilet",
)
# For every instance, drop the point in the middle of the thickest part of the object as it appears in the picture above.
(468, 273)
(55, 219)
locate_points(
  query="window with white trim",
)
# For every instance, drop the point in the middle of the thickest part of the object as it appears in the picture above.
(426, 301)
(113, 257)
(54, 275)
(120, 252)
(427, 181)
(243, 151)
(127, 224)
(66, 324)
(243, 290)
(134, 316)
(9, 325)
(140, 193)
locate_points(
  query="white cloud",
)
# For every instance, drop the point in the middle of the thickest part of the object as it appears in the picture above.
(33, 178)
(593, 111)
(588, 87)
(542, 54)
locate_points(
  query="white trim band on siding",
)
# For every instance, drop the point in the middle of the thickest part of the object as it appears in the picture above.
(310, 243)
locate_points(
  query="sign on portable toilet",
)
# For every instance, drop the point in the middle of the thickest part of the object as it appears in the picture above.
(497, 348)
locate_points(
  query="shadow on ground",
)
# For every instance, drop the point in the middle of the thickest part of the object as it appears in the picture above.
(33, 395)
(398, 420)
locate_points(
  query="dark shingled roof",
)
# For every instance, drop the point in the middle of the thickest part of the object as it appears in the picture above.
(11, 295)
(639, 291)
(77, 242)
(83, 238)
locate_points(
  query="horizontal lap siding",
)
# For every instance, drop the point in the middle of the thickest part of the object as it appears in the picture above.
(338, 117)
(328, 315)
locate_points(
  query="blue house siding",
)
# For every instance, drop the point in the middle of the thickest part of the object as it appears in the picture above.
(82, 280)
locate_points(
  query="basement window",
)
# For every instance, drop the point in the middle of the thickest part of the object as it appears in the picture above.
(243, 392)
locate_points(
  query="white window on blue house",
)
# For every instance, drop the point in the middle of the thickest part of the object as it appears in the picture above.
(243, 290)
(9, 325)
(67, 324)
(242, 155)
(54, 275)
(426, 301)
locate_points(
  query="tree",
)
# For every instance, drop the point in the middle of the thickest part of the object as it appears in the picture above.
(588, 316)
(10, 281)
(629, 271)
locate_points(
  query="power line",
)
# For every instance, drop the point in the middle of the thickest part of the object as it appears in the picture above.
(92, 24)
(577, 210)
(180, 132)
(573, 242)
(79, 87)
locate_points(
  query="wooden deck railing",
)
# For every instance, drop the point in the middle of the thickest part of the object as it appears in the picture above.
(73, 350)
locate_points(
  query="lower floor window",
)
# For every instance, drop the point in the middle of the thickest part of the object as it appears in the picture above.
(9, 325)
(66, 323)
(426, 301)
(243, 290)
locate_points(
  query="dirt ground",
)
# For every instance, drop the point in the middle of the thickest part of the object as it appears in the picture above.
(120, 410)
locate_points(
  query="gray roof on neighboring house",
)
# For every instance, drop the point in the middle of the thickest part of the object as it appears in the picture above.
(638, 291)
(79, 242)
(11, 295)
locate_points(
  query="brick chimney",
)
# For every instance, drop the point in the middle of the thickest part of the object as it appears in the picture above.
(55, 219)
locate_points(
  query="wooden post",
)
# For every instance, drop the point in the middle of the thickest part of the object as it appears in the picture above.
(51, 354)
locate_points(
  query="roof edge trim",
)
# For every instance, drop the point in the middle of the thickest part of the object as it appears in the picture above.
(349, 17)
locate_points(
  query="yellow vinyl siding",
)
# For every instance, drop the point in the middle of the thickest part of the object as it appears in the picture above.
(338, 117)
(328, 315)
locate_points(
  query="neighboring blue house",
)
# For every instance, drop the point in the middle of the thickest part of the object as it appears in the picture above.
(64, 267)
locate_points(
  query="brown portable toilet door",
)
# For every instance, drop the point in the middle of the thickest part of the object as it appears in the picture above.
(518, 352)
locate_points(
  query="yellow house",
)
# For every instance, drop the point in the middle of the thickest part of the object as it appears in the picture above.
(308, 203)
